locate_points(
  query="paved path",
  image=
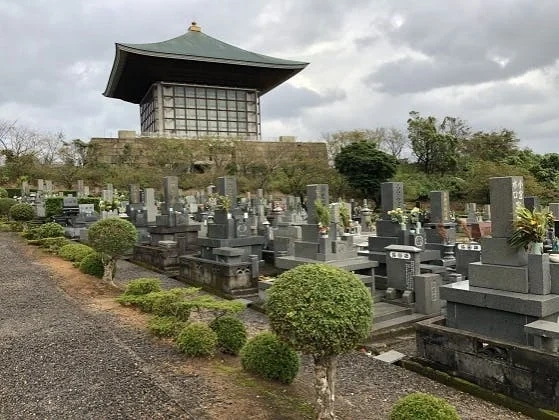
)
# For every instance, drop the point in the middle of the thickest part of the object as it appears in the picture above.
(58, 361)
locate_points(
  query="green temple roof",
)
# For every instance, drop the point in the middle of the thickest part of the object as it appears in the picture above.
(196, 58)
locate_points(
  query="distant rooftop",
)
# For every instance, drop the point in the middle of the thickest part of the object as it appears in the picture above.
(194, 58)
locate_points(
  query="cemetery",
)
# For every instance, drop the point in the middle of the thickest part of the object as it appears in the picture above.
(485, 311)
(194, 270)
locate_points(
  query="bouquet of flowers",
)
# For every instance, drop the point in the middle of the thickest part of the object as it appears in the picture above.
(398, 215)
(415, 214)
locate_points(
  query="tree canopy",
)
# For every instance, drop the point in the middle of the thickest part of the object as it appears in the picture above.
(365, 167)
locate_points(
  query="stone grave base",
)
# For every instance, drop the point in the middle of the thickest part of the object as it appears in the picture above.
(521, 372)
(161, 258)
(229, 279)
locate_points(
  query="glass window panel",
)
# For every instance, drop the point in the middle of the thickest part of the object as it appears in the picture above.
(200, 92)
(241, 106)
(222, 115)
(191, 103)
(202, 114)
(203, 125)
(179, 102)
(223, 126)
(168, 101)
(179, 91)
(252, 127)
(168, 90)
(232, 126)
(212, 115)
(168, 113)
(251, 117)
(212, 125)
(210, 103)
(190, 113)
(251, 97)
(212, 133)
(192, 134)
(241, 95)
(251, 106)
(191, 124)
(210, 93)
(221, 104)
(242, 126)
(242, 116)
(231, 94)
(179, 113)
(221, 94)
(169, 123)
(231, 105)
(189, 91)
(181, 132)
(232, 115)
(181, 124)
(201, 103)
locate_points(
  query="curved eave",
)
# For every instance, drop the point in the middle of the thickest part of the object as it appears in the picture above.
(123, 53)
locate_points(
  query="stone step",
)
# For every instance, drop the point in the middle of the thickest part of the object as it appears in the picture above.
(384, 311)
(398, 322)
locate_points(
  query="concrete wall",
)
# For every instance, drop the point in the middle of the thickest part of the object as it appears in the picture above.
(520, 372)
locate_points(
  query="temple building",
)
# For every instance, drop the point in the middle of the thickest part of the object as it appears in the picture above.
(196, 86)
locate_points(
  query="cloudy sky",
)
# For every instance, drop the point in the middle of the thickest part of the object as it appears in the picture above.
(493, 63)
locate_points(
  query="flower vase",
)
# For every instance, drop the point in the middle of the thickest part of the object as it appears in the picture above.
(535, 248)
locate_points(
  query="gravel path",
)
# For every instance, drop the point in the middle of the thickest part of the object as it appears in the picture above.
(60, 360)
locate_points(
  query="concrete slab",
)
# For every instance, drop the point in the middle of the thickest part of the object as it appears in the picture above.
(391, 356)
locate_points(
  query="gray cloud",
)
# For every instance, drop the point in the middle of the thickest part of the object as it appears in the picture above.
(289, 101)
(464, 43)
(367, 70)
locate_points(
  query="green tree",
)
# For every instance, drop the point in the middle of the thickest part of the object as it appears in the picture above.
(365, 167)
(494, 146)
(111, 237)
(436, 145)
(322, 311)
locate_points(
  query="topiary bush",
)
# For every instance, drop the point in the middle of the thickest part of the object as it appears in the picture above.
(22, 212)
(143, 286)
(165, 326)
(112, 237)
(266, 355)
(75, 252)
(30, 233)
(231, 334)
(54, 244)
(3, 193)
(50, 230)
(197, 340)
(322, 311)
(92, 264)
(420, 406)
(164, 303)
(5, 205)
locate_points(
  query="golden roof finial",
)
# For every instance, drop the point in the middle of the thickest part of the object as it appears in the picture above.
(194, 27)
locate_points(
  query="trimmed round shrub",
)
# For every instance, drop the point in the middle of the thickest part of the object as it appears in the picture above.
(75, 252)
(143, 286)
(231, 334)
(3, 193)
(266, 355)
(165, 326)
(50, 230)
(5, 205)
(22, 212)
(420, 406)
(112, 236)
(30, 233)
(197, 340)
(92, 264)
